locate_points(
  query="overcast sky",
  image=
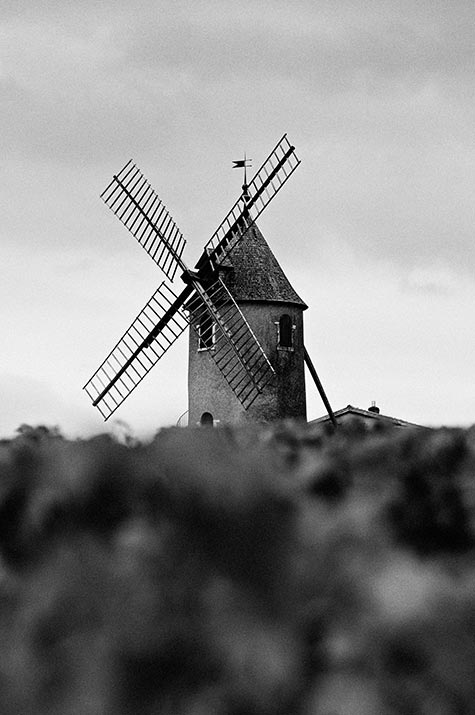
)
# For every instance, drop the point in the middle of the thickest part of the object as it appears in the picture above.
(374, 230)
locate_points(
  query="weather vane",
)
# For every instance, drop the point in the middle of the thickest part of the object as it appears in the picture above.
(243, 164)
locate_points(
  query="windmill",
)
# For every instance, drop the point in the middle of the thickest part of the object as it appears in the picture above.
(205, 302)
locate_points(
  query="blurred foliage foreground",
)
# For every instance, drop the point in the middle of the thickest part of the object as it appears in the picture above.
(262, 571)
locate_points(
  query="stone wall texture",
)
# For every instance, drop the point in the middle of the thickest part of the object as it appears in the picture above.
(209, 392)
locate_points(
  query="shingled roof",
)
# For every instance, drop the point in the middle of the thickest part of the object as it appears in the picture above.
(256, 274)
(370, 415)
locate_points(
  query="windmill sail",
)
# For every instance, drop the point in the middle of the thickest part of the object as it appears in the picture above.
(149, 337)
(268, 180)
(236, 351)
(132, 199)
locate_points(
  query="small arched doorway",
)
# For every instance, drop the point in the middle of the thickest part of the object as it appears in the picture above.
(206, 419)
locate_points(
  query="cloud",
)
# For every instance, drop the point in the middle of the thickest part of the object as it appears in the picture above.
(431, 280)
(331, 48)
(127, 72)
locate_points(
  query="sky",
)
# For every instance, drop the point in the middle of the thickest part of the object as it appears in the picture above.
(374, 229)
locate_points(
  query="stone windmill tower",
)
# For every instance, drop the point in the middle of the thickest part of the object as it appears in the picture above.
(274, 313)
(246, 355)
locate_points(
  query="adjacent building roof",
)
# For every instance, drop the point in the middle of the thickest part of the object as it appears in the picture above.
(371, 415)
(255, 273)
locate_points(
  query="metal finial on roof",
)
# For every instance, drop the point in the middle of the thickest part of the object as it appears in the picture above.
(243, 164)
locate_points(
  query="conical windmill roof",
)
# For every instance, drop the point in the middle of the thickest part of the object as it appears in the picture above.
(256, 274)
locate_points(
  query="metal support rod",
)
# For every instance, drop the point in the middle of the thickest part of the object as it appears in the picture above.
(319, 385)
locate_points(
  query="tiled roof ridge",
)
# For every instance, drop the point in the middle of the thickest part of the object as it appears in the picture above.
(367, 413)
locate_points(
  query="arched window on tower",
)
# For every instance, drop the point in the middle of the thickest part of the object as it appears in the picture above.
(286, 332)
(206, 332)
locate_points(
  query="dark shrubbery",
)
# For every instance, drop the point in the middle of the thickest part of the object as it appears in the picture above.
(266, 571)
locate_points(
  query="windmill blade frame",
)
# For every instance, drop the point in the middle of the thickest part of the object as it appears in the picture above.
(158, 325)
(266, 183)
(132, 199)
(236, 351)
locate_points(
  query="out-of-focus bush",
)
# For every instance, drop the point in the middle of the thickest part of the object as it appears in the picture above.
(256, 571)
